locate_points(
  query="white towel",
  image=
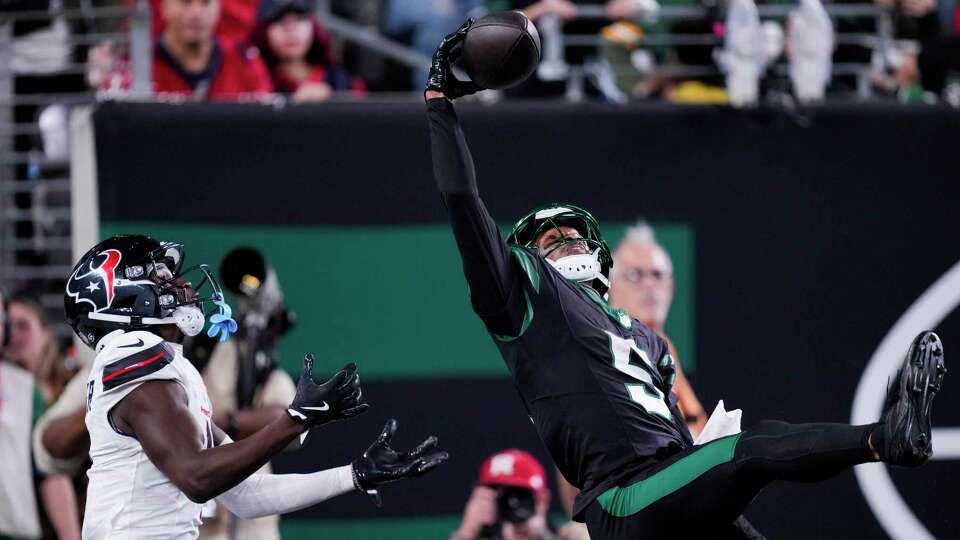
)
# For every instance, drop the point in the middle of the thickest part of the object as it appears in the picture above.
(721, 424)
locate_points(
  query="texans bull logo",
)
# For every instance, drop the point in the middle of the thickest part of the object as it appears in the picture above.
(94, 283)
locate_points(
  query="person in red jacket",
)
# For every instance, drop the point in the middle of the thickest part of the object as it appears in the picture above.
(188, 60)
(298, 52)
(237, 19)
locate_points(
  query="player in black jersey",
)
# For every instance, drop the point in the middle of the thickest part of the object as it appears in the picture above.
(597, 383)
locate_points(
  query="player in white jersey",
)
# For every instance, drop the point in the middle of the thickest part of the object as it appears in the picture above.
(157, 456)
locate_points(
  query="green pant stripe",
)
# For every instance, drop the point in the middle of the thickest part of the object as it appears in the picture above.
(623, 502)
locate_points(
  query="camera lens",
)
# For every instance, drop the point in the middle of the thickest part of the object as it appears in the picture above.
(515, 504)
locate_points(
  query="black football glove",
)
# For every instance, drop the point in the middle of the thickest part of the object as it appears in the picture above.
(321, 403)
(381, 463)
(441, 78)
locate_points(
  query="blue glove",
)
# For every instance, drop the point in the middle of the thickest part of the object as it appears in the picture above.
(221, 322)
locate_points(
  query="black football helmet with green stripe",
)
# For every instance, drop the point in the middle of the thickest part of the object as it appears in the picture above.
(593, 268)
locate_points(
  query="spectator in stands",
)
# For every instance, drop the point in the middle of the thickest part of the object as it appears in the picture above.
(914, 19)
(34, 347)
(188, 61)
(234, 28)
(929, 68)
(298, 52)
(510, 500)
(18, 509)
(576, 55)
(641, 283)
(939, 47)
(423, 23)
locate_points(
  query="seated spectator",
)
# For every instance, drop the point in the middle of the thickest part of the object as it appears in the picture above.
(298, 52)
(237, 19)
(510, 500)
(572, 25)
(929, 69)
(34, 347)
(913, 19)
(939, 49)
(188, 61)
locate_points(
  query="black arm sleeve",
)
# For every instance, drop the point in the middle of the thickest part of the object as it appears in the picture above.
(496, 282)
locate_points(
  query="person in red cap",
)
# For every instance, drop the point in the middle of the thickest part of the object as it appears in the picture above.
(510, 500)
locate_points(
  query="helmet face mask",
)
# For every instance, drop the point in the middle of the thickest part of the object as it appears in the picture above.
(134, 282)
(593, 268)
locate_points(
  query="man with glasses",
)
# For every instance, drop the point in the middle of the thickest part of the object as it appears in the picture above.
(642, 284)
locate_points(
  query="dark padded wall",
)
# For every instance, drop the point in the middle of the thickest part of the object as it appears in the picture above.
(811, 236)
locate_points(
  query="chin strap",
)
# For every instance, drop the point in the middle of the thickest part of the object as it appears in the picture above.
(580, 268)
(189, 319)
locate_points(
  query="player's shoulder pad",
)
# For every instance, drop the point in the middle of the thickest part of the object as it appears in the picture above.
(530, 262)
(132, 356)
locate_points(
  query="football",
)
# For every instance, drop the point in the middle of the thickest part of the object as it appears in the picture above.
(501, 50)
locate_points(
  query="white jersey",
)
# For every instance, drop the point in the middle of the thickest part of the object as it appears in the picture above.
(128, 497)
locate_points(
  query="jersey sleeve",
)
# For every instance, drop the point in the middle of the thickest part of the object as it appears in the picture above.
(495, 277)
(129, 361)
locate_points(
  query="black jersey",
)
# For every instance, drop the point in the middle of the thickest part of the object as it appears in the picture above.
(586, 373)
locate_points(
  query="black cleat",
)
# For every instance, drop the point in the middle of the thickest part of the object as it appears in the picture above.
(905, 438)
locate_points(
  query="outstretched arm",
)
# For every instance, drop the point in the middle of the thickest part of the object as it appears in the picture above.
(157, 414)
(268, 494)
(496, 287)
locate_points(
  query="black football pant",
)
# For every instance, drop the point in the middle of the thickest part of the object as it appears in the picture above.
(701, 491)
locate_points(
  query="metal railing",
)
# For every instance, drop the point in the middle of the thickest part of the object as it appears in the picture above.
(35, 215)
(555, 67)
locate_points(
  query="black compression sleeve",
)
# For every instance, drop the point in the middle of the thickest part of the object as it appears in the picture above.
(452, 162)
(496, 286)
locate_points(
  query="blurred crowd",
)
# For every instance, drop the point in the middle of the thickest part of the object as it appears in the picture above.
(724, 51)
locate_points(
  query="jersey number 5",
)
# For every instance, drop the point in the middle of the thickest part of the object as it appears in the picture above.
(646, 392)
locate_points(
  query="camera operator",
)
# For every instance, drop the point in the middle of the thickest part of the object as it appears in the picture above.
(247, 389)
(509, 502)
